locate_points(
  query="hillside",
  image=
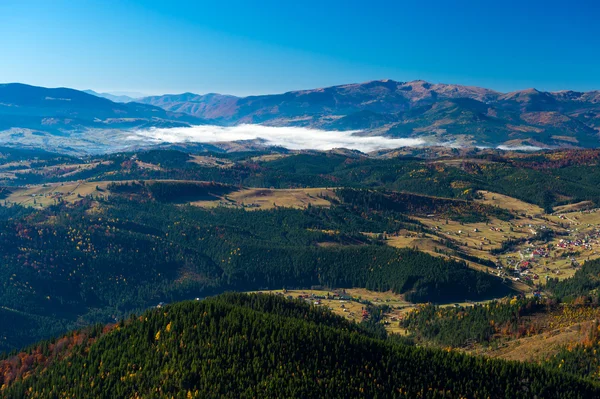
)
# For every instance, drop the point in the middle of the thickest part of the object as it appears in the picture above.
(126, 255)
(208, 106)
(265, 346)
(440, 112)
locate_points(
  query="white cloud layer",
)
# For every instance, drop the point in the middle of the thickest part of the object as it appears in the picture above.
(293, 138)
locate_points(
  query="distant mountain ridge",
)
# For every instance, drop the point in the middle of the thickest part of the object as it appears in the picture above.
(117, 98)
(444, 112)
(435, 113)
(62, 110)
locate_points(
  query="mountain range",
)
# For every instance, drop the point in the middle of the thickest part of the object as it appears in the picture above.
(437, 113)
(471, 115)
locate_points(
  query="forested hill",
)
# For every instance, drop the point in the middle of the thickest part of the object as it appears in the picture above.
(240, 346)
(68, 265)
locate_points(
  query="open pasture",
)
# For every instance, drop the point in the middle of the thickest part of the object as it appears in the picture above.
(40, 196)
(263, 198)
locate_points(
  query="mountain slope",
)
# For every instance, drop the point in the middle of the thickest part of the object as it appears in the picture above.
(376, 96)
(264, 346)
(207, 106)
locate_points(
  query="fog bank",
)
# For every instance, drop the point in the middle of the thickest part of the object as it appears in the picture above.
(293, 138)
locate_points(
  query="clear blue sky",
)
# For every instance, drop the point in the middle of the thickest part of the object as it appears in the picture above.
(254, 46)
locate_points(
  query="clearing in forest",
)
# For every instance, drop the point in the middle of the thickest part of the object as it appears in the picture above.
(264, 198)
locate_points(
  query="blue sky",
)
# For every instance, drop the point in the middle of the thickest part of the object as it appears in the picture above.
(255, 47)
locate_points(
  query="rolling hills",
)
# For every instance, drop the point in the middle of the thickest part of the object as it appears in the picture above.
(431, 243)
(90, 239)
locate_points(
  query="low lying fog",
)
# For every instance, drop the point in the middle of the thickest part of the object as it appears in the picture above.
(519, 148)
(294, 138)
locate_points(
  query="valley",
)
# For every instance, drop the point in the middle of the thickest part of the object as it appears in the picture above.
(450, 251)
(314, 199)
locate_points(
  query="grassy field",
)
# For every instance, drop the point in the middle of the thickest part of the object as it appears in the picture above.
(422, 241)
(481, 237)
(40, 196)
(509, 203)
(262, 198)
(432, 245)
(148, 166)
(535, 347)
(8, 171)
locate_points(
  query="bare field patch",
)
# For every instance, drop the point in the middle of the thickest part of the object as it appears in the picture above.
(290, 198)
(16, 165)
